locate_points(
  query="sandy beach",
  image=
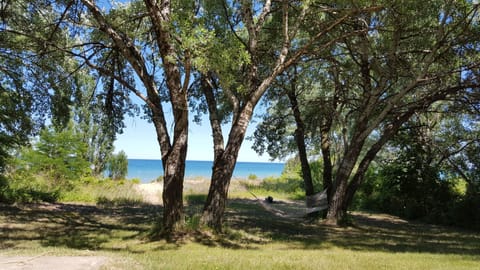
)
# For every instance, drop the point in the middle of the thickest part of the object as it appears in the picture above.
(152, 192)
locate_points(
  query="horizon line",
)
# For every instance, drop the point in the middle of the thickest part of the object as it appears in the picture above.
(147, 158)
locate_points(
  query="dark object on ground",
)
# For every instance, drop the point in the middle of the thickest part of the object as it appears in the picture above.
(269, 199)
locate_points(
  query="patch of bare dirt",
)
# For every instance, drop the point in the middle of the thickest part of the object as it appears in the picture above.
(41, 262)
(151, 192)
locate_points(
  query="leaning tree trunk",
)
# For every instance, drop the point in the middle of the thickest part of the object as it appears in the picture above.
(336, 208)
(300, 141)
(223, 167)
(218, 193)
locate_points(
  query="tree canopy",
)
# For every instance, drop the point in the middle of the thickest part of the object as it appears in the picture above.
(369, 85)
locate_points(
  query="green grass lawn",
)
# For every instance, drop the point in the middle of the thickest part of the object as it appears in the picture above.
(254, 239)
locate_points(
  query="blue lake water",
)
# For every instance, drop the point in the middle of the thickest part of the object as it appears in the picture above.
(147, 169)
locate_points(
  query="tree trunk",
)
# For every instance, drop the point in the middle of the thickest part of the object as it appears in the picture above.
(173, 161)
(336, 208)
(300, 141)
(223, 167)
(336, 212)
(218, 193)
(327, 164)
(173, 216)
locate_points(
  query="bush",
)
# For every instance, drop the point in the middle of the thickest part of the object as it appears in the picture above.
(284, 183)
(117, 166)
(58, 156)
(403, 190)
(466, 212)
(24, 188)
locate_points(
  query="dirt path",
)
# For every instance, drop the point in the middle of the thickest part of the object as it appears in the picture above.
(151, 193)
(41, 262)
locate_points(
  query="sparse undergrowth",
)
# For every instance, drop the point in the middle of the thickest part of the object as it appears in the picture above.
(105, 192)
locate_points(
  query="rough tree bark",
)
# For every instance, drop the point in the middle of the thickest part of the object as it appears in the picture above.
(174, 157)
(222, 172)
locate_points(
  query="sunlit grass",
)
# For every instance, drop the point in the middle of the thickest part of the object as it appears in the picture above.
(105, 192)
(276, 256)
(253, 238)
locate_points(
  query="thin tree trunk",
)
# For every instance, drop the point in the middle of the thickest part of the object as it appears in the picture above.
(327, 164)
(218, 144)
(300, 141)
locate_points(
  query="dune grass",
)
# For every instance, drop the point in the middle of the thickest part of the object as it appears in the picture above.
(104, 192)
(254, 238)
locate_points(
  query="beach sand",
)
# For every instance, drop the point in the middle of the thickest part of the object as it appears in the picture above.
(152, 192)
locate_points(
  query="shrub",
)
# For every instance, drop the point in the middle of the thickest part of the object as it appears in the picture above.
(117, 166)
(105, 192)
(24, 188)
(284, 183)
(58, 156)
(466, 212)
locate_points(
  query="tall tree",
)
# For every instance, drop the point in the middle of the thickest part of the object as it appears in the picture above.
(129, 40)
(395, 68)
(270, 40)
(140, 42)
(283, 128)
(31, 87)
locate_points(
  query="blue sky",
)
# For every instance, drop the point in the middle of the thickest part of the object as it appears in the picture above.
(139, 142)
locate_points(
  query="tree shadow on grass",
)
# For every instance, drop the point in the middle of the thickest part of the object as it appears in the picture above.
(249, 225)
(74, 226)
(369, 232)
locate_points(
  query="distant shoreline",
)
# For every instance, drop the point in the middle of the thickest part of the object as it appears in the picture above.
(148, 170)
(211, 161)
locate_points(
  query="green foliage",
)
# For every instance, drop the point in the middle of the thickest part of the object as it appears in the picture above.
(411, 192)
(25, 188)
(105, 192)
(117, 166)
(410, 186)
(58, 155)
(293, 169)
(289, 184)
(285, 183)
(192, 223)
(54, 164)
(15, 122)
(466, 212)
